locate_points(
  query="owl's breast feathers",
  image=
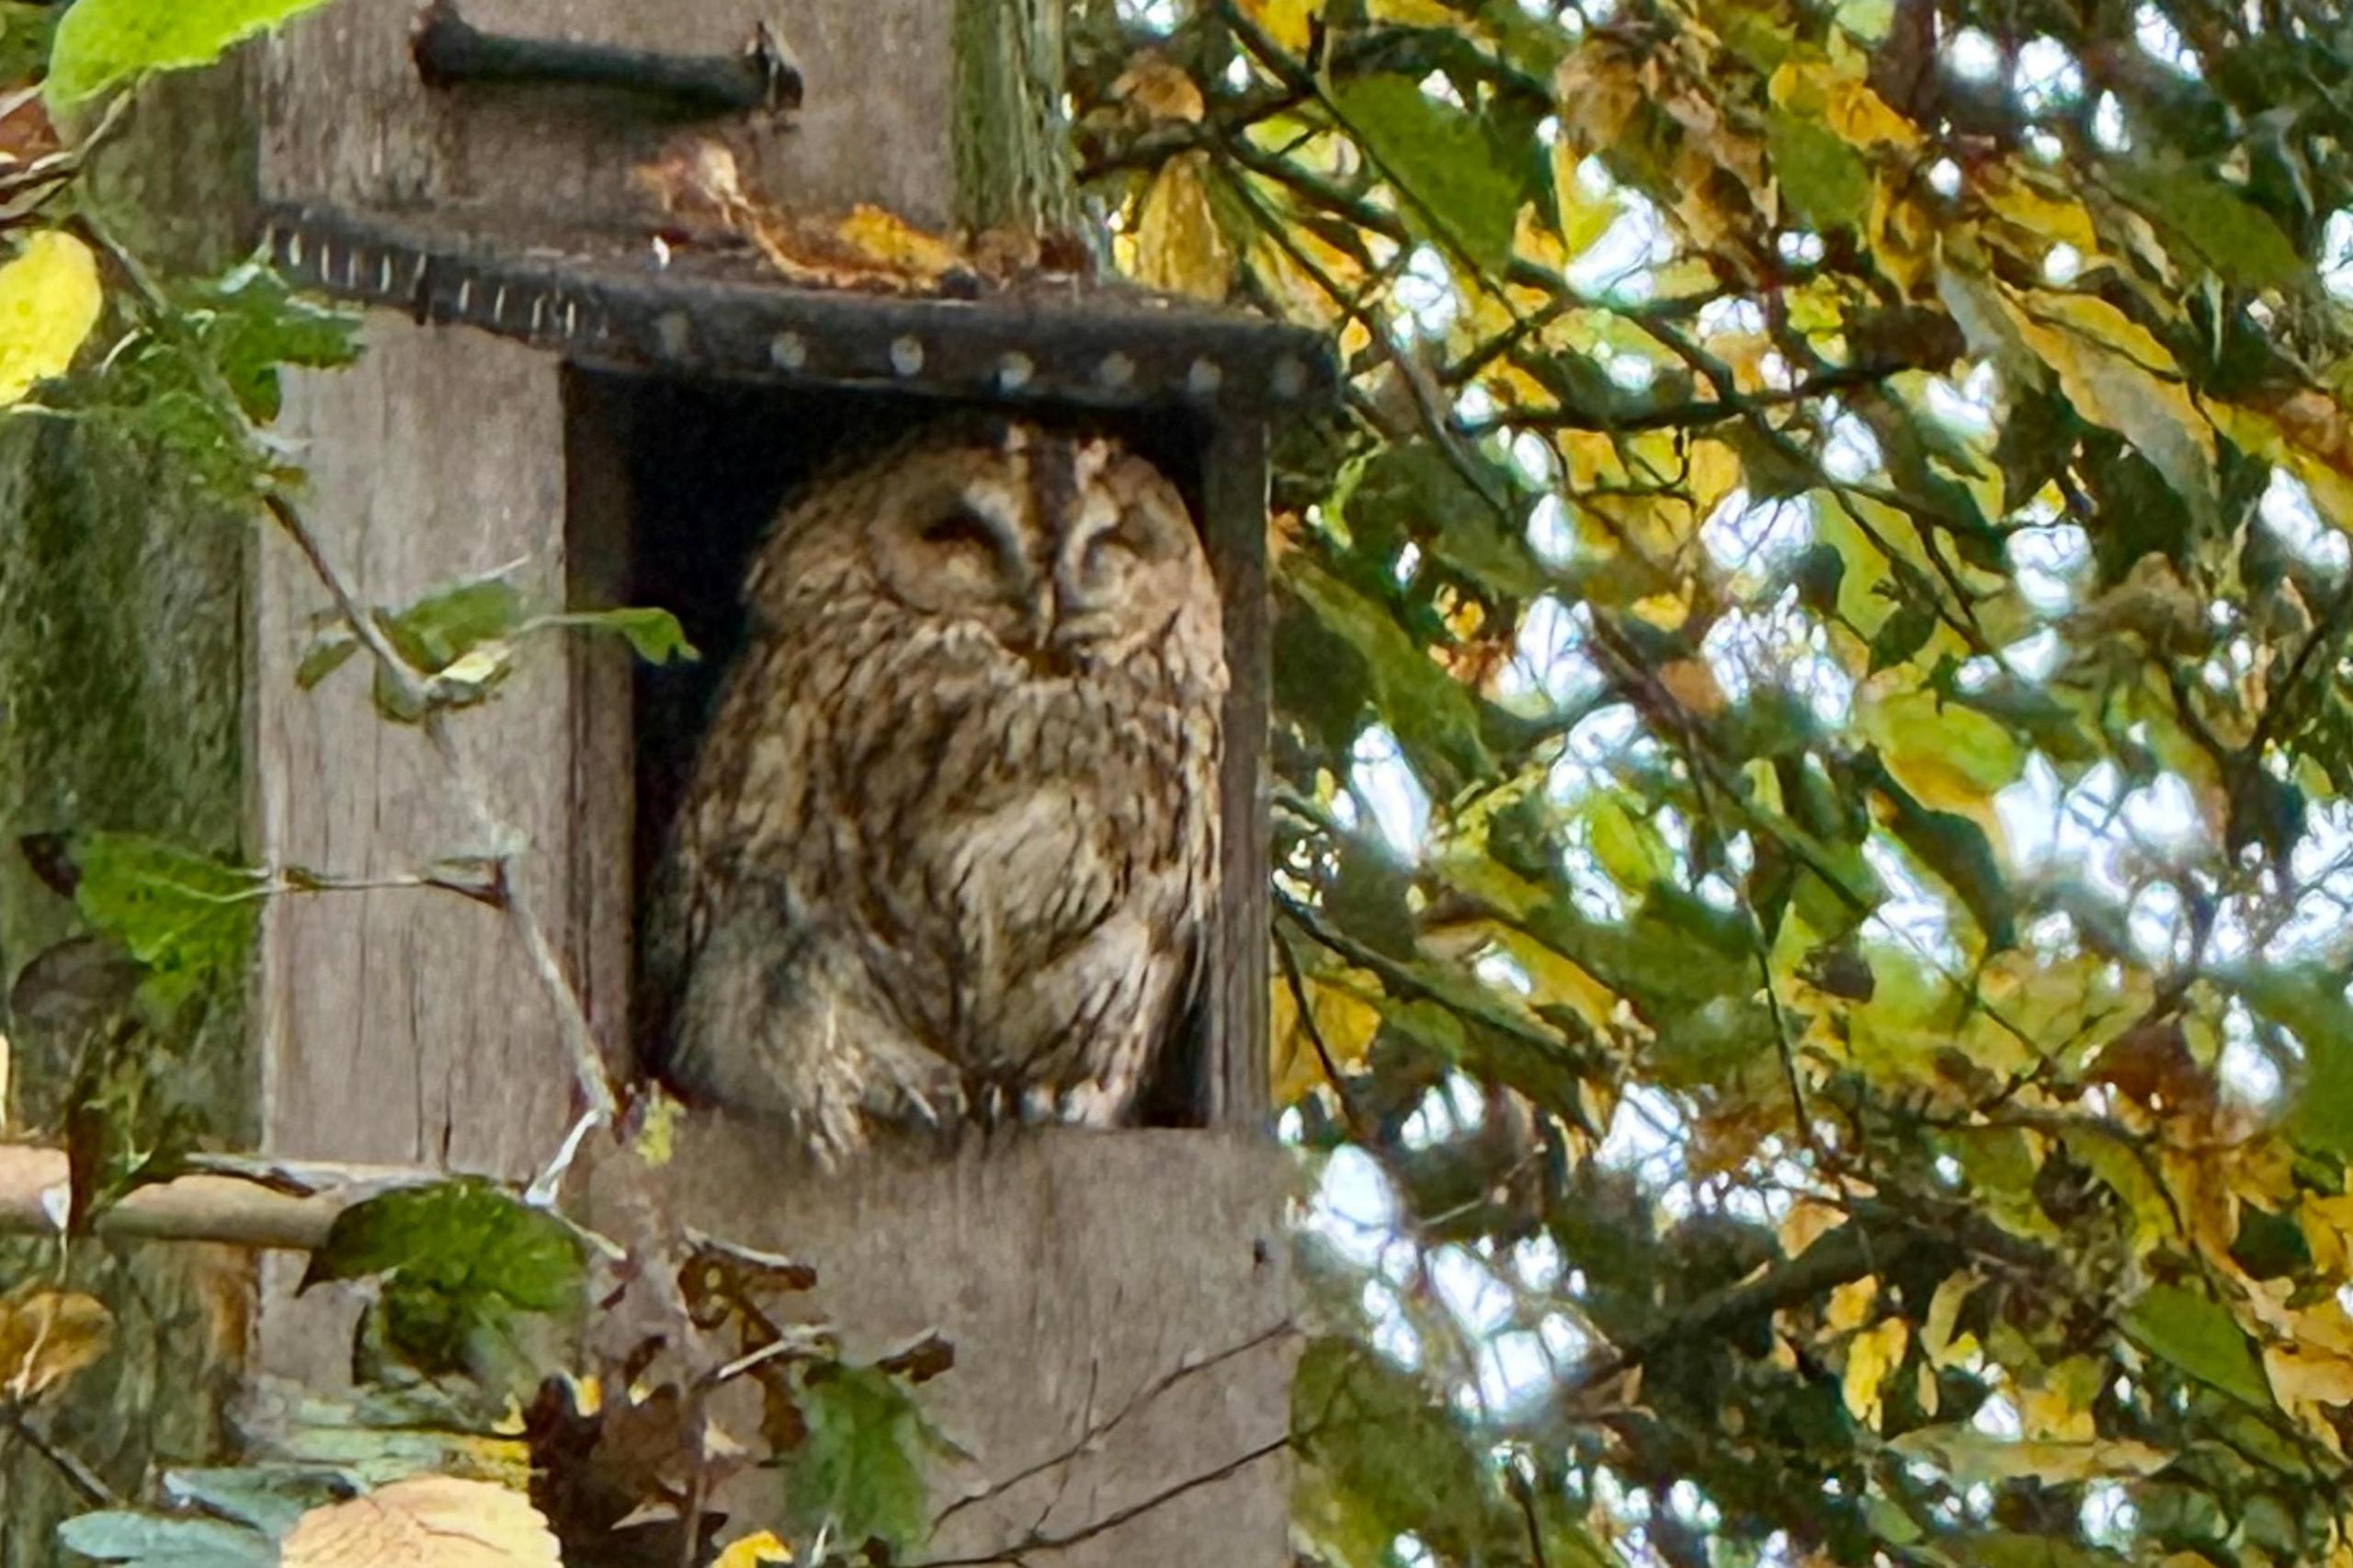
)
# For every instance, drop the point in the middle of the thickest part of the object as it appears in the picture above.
(950, 874)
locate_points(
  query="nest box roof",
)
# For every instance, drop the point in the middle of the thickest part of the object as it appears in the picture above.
(619, 302)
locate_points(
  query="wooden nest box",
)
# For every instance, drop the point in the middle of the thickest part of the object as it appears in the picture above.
(545, 383)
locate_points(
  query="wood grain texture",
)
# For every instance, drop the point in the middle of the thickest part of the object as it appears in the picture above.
(1234, 499)
(405, 1027)
(1076, 1273)
(874, 127)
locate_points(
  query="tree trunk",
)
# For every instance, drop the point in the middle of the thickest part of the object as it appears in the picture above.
(1013, 165)
(122, 707)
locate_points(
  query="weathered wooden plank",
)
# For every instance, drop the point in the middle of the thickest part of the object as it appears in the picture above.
(1234, 501)
(568, 158)
(1076, 1273)
(404, 1026)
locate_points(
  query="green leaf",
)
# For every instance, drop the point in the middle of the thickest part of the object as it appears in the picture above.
(1430, 712)
(188, 917)
(2310, 1003)
(2199, 1335)
(654, 634)
(2006, 1549)
(269, 1497)
(102, 43)
(1451, 177)
(450, 623)
(250, 323)
(331, 648)
(1826, 182)
(1901, 635)
(1771, 473)
(146, 1541)
(2201, 217)
(1958, 851)
(858, 1473)
(1414, 492)
(460, 1260)
(1379, 1459)
(2118, 375)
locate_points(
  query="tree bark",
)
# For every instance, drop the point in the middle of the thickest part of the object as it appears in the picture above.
(1012, 167)
(122, 659)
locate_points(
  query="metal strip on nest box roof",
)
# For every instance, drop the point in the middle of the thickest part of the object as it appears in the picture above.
(600, 299)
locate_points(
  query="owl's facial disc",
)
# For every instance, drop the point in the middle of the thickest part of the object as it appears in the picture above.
(1125, 547)
(957, 550)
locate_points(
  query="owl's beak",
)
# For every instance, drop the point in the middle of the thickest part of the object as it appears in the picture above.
(1085, 630)
(1068, 623)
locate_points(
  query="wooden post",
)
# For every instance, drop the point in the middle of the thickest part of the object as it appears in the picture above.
(1118, 1301)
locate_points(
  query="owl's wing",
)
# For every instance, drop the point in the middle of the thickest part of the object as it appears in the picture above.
(666, 949)
(1177, 1088)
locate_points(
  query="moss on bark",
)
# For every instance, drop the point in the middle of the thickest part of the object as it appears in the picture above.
(1013, 165)
(122, 680)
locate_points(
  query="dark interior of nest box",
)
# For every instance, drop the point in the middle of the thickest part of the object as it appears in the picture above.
(676, 482)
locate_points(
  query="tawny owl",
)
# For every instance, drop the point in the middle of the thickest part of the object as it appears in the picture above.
(950, 850)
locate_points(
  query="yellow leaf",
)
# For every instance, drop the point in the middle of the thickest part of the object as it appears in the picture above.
(2053, 1415)
(761, 1550)
(1799, 85)
(657, 1130)
(1970, 1457)
(1180, 247)
(1285, 21)
(47, 1336)
(2118, 375)
(890, 240)
(1858, 116)
(1413, 13)
(1944, 1311)
(1873, 1355)
(2308, 1383)
(2047, 220)
(1903, 235)
(2328, 1225)
(435, 1519)
(2288, 435)
(49, 302)
(1344, 1021)
(1850, 1304)
(1583, 219)
(1864, 119)
(1808, 1222)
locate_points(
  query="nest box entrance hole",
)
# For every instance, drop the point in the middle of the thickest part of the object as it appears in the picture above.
(674, 484)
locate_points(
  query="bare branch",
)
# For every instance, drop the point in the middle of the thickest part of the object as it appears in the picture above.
(259, 1205)
(1098, 1433)
(1035, 1544)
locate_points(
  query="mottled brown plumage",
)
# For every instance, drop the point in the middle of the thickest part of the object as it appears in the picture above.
(949, 850)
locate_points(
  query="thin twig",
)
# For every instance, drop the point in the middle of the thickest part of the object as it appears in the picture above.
(1096, 1434)
(71, 1465)
(498, 840)
(1115, 1519)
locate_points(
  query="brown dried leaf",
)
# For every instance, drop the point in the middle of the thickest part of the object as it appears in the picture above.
(25, 134)
(430, 1519)
(1160, 92)
(2151, 1065)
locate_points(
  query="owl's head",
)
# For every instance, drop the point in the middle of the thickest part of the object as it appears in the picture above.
(1068, 549)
